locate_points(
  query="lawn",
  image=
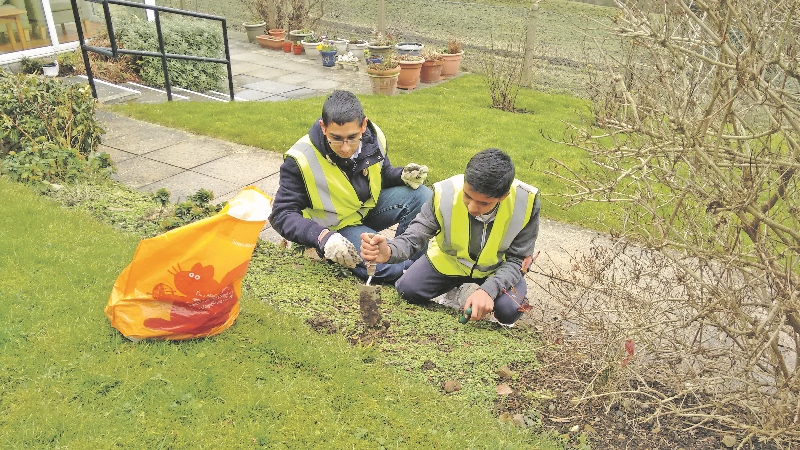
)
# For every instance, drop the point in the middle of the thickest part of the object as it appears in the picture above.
(69, 380)
(441, 127)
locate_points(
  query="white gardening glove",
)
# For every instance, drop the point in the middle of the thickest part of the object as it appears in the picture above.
(414, 175)
(341, 250)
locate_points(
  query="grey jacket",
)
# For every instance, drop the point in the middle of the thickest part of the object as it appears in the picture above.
(425, 226)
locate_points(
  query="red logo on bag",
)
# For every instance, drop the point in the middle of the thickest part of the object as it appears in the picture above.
(200, 303)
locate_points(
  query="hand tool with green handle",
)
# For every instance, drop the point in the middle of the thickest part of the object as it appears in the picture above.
(466, 316)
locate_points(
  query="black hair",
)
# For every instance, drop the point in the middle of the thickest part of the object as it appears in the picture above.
(342, 107)
(490, 172)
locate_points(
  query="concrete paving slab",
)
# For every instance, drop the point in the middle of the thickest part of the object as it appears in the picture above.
(271, 87)
(268, 185)
(140, 171)
(321, 84)
(295, 78)
(184, 184)
(192, 153)
(116, 125)
(243, 168)
(239, 80)
(142, 140)
(249, 94)
(266, 73)
(301, 93)
(239, 68)
(116, 155)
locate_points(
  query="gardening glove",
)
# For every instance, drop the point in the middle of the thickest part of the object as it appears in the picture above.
(342, 251)
(414, 175)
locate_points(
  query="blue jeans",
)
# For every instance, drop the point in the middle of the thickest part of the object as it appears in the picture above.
(422, 282)
(396, 205)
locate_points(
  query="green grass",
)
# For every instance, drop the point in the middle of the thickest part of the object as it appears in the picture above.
(69, 379)
(441, 126)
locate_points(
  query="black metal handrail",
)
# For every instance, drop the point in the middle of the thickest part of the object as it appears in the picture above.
(114, 51)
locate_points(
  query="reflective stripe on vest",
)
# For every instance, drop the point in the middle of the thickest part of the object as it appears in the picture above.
(449, 250)
(334, 201)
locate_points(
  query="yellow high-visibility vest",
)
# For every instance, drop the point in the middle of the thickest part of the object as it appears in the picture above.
(334, 201)
(449, 250)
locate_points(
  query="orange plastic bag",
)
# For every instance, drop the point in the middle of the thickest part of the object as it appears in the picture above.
(186, 283)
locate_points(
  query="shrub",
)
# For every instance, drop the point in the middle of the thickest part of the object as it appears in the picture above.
(48, 131)
(37, 109)
(197, 206)
(181, 36)
(30, 66)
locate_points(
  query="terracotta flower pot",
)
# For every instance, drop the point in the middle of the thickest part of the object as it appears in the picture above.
(431, 71)
(297, 49)
(451, 64)
(384, 72)
(269, 42)
(277, 33)
(384, 84)
(409, 74)
(287, 46)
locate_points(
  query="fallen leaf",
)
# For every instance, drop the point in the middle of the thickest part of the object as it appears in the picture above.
(729, 440)
(629, 346)
(504, 389)
(505, 373)
(452, 386)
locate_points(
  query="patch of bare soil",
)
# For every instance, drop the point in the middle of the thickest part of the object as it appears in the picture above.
(609, 422)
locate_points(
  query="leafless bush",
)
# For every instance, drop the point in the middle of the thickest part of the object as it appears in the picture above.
(503, 75)
(697, 129)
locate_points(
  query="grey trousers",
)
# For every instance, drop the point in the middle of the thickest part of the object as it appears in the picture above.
(421, 283)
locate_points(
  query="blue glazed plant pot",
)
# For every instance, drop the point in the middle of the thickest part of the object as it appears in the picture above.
(374, 60)
(328, 58)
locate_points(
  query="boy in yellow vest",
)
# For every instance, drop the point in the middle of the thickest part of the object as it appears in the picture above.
(337, 182)
(484, 225)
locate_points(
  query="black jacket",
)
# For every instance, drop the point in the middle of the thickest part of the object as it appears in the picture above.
(292, 196)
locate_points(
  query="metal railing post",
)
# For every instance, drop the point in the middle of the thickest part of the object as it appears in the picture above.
(163, 56)
(84, 52)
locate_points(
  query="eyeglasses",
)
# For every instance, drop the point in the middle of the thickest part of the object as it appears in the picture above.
(339, 142)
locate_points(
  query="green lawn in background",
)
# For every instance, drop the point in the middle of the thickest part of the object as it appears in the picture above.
(440, 126)
(69, 380)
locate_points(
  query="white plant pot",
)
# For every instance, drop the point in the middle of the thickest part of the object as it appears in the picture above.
(50, 70)
(311, 49)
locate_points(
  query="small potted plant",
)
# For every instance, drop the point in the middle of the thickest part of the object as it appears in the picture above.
(383, 76)
(328, 53)
(340, 43)
(382, 45)
(369, 58)
(347, 61)
(452, 55)
(408, 48)
(357, 46)
(50, 69)
(253, 30)
(298, 36)
(310, 43)
(410, 67)
(431, 67)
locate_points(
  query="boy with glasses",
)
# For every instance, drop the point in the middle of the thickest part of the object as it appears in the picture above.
(484, 226)
(337, 182)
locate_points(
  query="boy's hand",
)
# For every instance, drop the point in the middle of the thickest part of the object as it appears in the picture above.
(374, 248)
(340, 250)
(414, 175)
(481, 304)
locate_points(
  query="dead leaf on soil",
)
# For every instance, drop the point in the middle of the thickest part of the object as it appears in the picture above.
(452, 386)
(505, 373)
(504, 389)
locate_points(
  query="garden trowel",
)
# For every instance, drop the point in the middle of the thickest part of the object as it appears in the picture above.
(369, 298)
